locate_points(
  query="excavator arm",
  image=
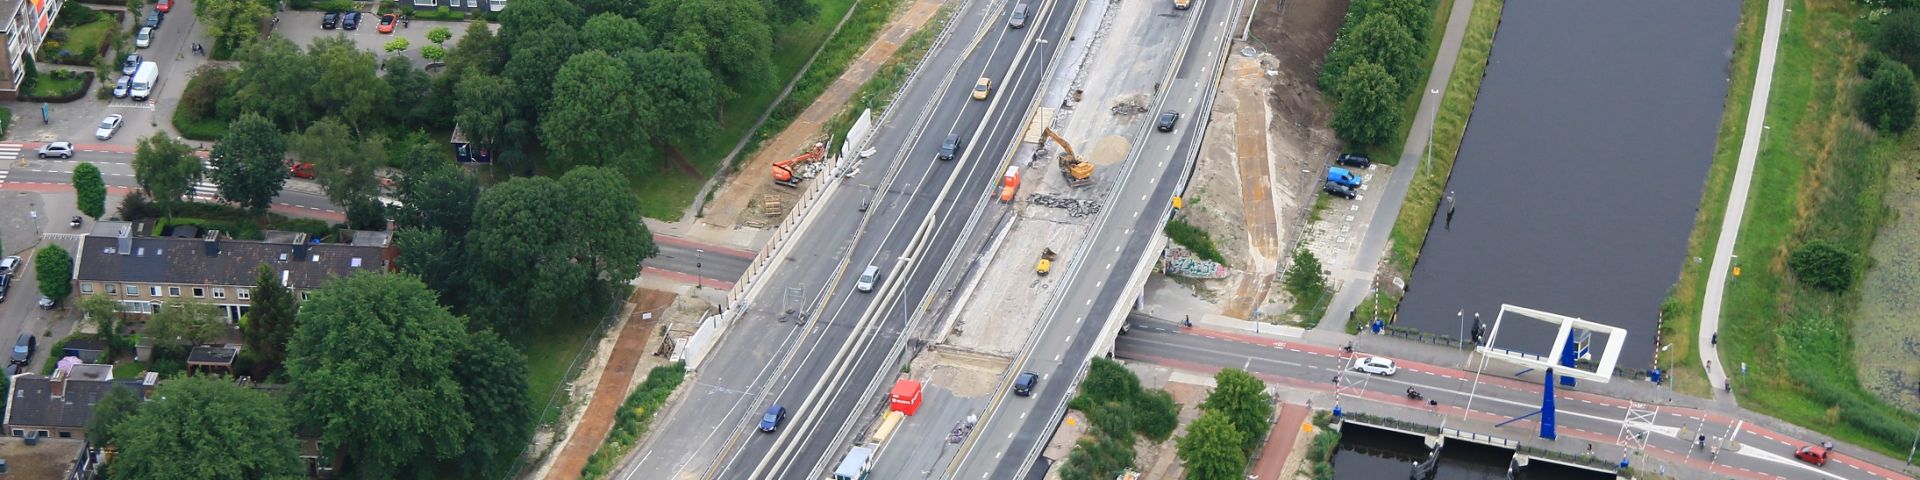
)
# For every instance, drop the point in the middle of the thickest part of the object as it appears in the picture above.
(1078, 173)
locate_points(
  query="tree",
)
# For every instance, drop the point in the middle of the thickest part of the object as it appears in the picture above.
(1381, 40)
(477, 52)
(480, 113)
(558, 245)
(372, 360)
(1887, 99)
(1211, 449)
(275, 82)
(1244, 401)
(165, 169)
(680, 95)
(398, 45)
(233, 24)
(432, 52)
(207, 428)
(114, 407)
(345, 169)
(790, 11)
(53, 267)
(1369, 105)
(104, 313)
(367, 213)
(1108, 381)
(732, 37)
(493, 378)
(250, 162)
(613, 34)
(1304, 278)
(89, 190)
(1156, 415)
(439, 35)
(437, 258)
(186, 323)
(533, 65)
(415, 102)
(1824, 265)
(530, 16)
(1899, 36)
(442, 197)
(270, 322)
(349, 82)
(1099, 456)
(575, 127)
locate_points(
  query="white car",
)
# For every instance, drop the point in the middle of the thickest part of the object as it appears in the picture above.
(1376, 366)
(56, 149)
(108, 127)
(144, 38)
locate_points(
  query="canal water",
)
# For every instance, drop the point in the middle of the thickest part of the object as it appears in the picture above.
(1369, 454)
(1581, 170)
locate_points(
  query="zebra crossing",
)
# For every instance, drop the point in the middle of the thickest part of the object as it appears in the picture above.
(9, 152)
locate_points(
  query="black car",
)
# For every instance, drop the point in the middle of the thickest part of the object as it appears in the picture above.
(1024, 384)
(24, 347)
(5, 282)
(1341, 191)
(350, 21)
(1167, 120)
(951, 146)
(1354, 160)
(330, 20)
(153, 19)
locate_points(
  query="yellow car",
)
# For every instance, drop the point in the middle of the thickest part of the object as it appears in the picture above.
(983, 88)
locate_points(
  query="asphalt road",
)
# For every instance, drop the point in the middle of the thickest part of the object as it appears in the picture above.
(1584, 417)
(765, 359)
(116, 168)
(1018, 427)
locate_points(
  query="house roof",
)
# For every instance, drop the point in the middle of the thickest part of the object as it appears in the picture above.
(195, 261)
(47, 458)
(33, 402)
(212, 355)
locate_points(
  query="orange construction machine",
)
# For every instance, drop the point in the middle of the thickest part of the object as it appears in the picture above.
(1010, 184)
(783, 172)
(1079, 173)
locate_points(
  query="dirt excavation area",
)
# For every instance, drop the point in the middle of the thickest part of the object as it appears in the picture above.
(1256, 186)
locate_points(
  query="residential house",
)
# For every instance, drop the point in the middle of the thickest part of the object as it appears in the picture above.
(48, 458)
(143, 273)
(466, 5)
(60, 406)
(26, 28)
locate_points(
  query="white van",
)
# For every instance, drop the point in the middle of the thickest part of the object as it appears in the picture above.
(145, 80)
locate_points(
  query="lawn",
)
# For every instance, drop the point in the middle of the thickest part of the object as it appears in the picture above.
(1389, 153)
(89, 36)
(48, 85)
(1450, 124)
(1819, 175)
(550, 352)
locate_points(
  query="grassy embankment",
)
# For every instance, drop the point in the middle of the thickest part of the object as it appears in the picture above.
(1389, 153)
(667, 196)
(1449, 125)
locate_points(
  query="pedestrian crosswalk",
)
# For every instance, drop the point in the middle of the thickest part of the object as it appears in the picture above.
(9, 152)
(206, 191)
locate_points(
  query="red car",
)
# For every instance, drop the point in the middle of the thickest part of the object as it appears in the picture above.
(1812, 454)
(301, 170)
(386, 23)
(163, 5)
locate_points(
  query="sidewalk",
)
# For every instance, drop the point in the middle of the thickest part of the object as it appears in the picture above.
(611, 390)
(1277, 455)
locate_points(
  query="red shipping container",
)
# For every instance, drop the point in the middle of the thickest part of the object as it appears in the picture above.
(905, 397)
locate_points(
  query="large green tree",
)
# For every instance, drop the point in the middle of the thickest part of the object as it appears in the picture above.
(1244, 401)
(269, 323)
(1211, 449)
(732, 37)
(166, 169)
(233, 24)
(274, 82)
(1887, 100)
(530, 16)
(346, 169)
(1899, 36)
(493, 378)
(90, 192)
(250, 161)
(533, 64)
(53, 267)
(481, 114)
(415, 102)
(681, 94)
(1369, 105)
(371, 362)
(104, 313)
(613, 34)
(576, 129)
(479, 51)
(207, 428)
(1381, 40)
(558, 245)
(186, 322)
(349, 83)
(442, 197)
(439, 259)
(119, 403)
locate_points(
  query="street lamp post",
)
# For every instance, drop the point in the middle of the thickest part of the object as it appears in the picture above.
(699, 275)
(1462, 316)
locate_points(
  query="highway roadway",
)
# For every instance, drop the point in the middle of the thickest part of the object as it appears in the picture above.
(1017, 428)
(1584, 418)
(901, 194)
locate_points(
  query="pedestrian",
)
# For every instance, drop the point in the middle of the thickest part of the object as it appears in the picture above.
(1716, 339)
(1589, 449)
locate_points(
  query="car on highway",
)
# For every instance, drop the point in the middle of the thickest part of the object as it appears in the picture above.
(23, 348)
(983, 88)
(1354, 160)
(770, 422)
(330, 20)
(1376, 366)
(387, 21)
(1167, 120)
(1124, 326)
(122, 86)
(350, 21)
(1813, 454)
(131, 64)
(143, 38)
(55, 149)
(951, 146)
(9, 266)
(1341, 191)
(108, 127)
(153, 19)
(163, 6)
(868, 279)
(1024, 384)
(1017, 19)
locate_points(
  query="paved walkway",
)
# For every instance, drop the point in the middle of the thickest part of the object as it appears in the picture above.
(1354, 281)
(1288, 431)
(611, 390)
(1737, 201)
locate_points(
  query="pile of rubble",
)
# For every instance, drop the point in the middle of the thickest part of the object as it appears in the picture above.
(1075, 208)
(1129, 106)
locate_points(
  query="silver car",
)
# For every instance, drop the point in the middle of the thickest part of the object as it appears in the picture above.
(108, 127)
(122, 87)
(144, 38)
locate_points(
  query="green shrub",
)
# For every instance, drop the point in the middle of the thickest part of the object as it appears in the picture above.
(1823, 265)
(632, 419)
(1195, 239)
(1887, 99)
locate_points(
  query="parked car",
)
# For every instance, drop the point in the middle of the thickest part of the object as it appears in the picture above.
(1343, 176)
(56, 149)
(1354, 160)
(330, 20)
(143, 38)
(163, 6)
(951, 146)
(1376, 366)
(122, 86)
(9, 266)
(1024, 384)
(1341, 191)
(983, 88)
(1812, 454)
(1167, 120)
(108, 127)
(131, 64)
(47, 303)
(24, 347)
(300, 170)
(350, 21)
(5, 283)
(387, 21)
(771, 421)
(153, 19)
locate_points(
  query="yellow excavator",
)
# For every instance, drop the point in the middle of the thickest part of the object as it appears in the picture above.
(1079, 173)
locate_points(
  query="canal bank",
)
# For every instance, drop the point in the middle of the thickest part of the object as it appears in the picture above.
(1577, 181)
